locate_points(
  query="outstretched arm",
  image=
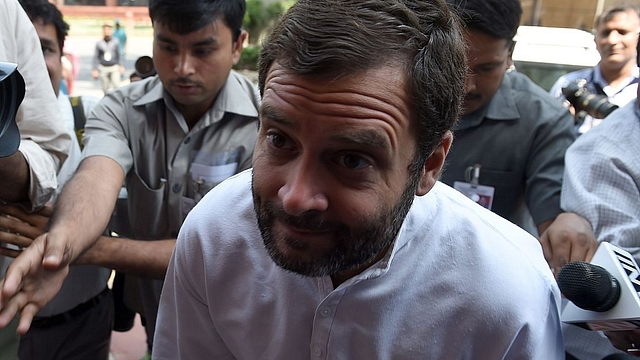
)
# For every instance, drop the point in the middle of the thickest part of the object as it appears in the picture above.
(79, 217)
(141, 258)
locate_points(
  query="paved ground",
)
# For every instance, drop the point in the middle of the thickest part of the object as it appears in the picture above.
(130, 345)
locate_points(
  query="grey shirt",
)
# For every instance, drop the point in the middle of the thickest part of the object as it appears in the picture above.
(519, 139)
(107, 53)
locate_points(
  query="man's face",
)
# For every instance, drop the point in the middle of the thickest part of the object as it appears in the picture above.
(616, 39)
(51, 51)
(107, 31)
(331, 184)
(488, 60)
(194, 67)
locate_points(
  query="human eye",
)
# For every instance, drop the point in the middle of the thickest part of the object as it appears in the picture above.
(279, 141)
(605, 33)
(167, 48)
(486, 69)
(353, 162)
(203, 52)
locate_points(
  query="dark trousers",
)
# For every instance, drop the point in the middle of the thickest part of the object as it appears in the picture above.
(84, 336)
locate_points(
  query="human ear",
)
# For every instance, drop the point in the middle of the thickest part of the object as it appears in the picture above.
(434, 164)
(238, 45)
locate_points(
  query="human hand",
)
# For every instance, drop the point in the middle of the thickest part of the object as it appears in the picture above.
(21, 228)
(121, 69)
(568, 238)
(628, 340)
(94, 74)
(33, 279)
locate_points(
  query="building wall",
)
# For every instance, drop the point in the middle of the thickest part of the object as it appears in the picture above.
(578, 14)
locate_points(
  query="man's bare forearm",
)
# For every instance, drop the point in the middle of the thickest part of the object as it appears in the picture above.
(136, 257)
(84, 208)
(14, 176)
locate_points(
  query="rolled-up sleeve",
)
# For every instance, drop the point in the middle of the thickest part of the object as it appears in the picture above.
(45, 143)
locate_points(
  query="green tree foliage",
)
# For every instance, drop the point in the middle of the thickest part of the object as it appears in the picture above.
(260, 16)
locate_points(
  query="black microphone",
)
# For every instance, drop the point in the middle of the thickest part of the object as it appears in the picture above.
(603, 294)
(589, 286)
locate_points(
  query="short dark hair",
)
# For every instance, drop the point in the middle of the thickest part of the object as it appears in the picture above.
(609, 13)
(497, 18)
(338, 38)
(184, 17)
(49, 14)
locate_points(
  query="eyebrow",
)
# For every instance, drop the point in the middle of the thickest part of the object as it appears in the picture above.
(47, 42)
(206, 42)
(365, 137)
(267, 111)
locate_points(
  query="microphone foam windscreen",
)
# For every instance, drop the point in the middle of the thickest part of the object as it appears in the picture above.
(588, 286)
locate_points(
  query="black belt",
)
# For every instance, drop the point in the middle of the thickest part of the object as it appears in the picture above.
(47, 321)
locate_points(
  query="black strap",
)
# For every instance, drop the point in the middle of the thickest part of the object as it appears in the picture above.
(79, 118)
(596, 87)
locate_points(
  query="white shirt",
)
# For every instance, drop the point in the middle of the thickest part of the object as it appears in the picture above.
(459, 282)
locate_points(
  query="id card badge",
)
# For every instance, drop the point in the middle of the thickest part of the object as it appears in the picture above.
(481, 194)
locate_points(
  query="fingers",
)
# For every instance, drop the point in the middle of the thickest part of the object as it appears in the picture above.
(12, 227)
(9, 252)
(38, 219)
(26, 316)
(29, 262)
(568, 238)
(16, 239)
(8, 312)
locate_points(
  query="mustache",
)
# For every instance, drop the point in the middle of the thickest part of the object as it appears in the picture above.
(472, 96)
(184, 81)
(311, 221)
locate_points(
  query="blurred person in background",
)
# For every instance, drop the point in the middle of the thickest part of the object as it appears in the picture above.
(108, 63)
(616, 75)
(120, 33)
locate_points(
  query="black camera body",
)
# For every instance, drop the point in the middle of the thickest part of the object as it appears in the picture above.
(597, 106)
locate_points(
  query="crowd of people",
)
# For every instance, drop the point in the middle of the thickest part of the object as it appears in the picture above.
(244, 232)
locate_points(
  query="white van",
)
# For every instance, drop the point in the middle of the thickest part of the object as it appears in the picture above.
(546, 53)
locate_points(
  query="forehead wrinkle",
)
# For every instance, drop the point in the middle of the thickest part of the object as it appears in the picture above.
(350, 103)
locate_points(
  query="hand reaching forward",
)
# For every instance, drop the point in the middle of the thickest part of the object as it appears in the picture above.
(33, 279)
(568, 238)
(19, 228)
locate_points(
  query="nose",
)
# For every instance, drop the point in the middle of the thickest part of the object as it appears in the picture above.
(469, 83)
(614, 37)
(303, 192)
(184, 65)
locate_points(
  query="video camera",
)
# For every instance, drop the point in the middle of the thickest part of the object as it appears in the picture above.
(12, 90)
(597, 106)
